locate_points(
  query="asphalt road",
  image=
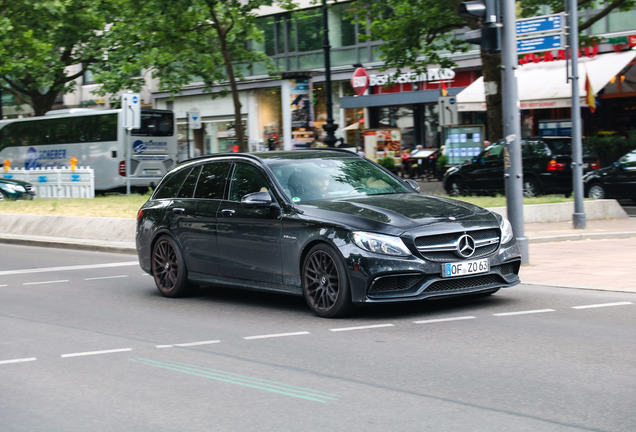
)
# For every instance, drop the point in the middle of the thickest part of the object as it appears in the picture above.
(88, 344)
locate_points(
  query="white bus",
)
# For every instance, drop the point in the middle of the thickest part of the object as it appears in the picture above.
(98, 140)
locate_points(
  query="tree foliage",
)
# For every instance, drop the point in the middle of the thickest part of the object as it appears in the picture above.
(41, 38)
(182, 42)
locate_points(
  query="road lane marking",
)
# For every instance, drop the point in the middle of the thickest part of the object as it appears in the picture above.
(431, 321)
(105, 277)
(45, 282)
(243, 380)
(67, 268)
(600, 305)
(20, 360)
(90, 353)
(189, 344)
(524, 312)
(276, 335)
(367, 327)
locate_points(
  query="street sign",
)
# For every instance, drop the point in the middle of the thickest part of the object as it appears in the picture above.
(447, 108)
(542, 24)
(194, 116)
(131, 106)
(360, 80)
(539, 43)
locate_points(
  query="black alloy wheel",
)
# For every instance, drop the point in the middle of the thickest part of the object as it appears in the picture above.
(530, 187)
(168, 268)
(325, 283)
(456, 187)
(597, 191)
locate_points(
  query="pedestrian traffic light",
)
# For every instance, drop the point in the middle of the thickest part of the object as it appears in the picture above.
(486, 13)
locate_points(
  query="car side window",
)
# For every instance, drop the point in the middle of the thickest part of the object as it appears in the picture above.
(171, 185)
(535, 148)
(187, 190)
(493, 153)
(247, 179)
(211, 184)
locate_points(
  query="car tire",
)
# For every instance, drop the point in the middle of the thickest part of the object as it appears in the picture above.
(456, 187)
(597, 191)
(325, 283)
(530, 187)
(169, 269)
(2, 196)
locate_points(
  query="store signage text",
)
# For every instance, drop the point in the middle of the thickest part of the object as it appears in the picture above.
(548, 56)
(411, 77)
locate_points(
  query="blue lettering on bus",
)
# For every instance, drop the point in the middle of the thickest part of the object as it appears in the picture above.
(44, 158)
(140, 146)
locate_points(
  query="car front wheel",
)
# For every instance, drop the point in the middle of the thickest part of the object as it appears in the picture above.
(325, 283)
(597, 191)
(456, 187)
(169, 269)
(530, 187)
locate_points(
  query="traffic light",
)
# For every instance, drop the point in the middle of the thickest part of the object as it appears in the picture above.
(485, 12)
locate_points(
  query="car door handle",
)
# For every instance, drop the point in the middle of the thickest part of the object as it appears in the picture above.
(227, 212)
(178, 210)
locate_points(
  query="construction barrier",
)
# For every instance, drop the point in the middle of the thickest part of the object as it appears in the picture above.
(57, 182)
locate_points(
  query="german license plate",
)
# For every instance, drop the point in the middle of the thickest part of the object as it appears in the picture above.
(463, 268)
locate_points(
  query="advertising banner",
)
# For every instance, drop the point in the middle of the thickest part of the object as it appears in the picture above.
(302, 110)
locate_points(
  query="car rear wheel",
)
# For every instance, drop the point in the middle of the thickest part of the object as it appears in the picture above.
(456, 187)
(597, 191)
(2, 197)
(325, 283)
(169, 269)
(530, 187)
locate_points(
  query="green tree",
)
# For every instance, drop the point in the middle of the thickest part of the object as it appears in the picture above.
(41, 38)
(182, 42)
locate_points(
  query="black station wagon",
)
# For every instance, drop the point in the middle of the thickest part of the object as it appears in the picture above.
(327, 224)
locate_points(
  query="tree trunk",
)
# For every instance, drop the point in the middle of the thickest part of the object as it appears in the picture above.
(491, 69)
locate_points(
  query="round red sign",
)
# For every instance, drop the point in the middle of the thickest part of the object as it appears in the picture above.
(360, 81)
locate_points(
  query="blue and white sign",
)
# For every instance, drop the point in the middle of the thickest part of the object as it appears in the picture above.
(539, 43)
(131, 107)
(543, 24)
(194, 116)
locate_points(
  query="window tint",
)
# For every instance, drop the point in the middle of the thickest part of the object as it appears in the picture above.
(534, 148)
(187, 190)
(211, 184)
(494, 152)
(170, 186)
(245, 180)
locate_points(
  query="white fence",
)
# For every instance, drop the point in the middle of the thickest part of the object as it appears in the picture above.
(57, 182)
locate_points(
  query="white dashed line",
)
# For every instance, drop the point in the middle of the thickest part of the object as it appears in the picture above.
(66, 268)
(524, 312)
(600, 305)
(89, 353)
(189, 344)
(21, 360)
(444, 320)
(106, 277)
(275, 335)
(45, 282)
(361, 327)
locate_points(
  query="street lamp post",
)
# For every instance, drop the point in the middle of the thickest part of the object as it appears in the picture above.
(329, 127)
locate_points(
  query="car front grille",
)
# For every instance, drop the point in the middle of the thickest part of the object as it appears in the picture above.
(443, 247)
(447, 285)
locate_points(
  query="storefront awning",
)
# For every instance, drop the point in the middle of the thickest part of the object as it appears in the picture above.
(545, 85)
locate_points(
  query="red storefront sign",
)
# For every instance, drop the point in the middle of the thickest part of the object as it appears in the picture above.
(631, 40)
(360, 81)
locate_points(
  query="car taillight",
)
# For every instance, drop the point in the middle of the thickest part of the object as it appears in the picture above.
(553, 165)
(140, 214)
(595, 164)
(122, 168)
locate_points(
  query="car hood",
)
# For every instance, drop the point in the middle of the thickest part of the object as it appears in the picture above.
(398, 212)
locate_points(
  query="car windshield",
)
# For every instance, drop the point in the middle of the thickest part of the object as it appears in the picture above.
(314, 179)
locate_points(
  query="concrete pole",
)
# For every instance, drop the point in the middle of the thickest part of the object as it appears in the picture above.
(578, 218)
(513, 165)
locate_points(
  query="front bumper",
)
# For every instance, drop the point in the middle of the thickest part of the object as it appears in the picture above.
(383, 279)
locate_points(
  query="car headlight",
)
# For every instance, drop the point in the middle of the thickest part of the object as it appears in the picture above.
(380, 243)
(506, 230)
(16, 188)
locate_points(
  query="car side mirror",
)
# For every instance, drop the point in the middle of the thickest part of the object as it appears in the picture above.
(414, 185)
(257, 200)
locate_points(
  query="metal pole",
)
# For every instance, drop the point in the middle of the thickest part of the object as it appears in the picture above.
(513, 165)
(128, 159)
(578, 217)
(329, 127)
